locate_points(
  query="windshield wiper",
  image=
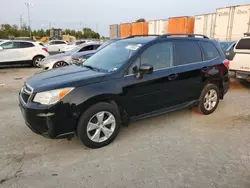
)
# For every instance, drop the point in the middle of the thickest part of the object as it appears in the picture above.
(92, 68)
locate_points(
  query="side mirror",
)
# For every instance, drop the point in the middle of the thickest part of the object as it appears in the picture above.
(144, 69)
(1, 49)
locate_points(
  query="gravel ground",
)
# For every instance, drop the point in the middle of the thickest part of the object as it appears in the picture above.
(176, 150)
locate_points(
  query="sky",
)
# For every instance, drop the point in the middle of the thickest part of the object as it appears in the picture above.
(99, 14)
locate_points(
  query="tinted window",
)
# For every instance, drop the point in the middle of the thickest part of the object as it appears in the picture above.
(87, 48)
(79, 42)
(159, 55)
(210, 51)
(25, 45)
(41, 44)
(243, 44)
(59, 42)
(96, 46)
(187, 52)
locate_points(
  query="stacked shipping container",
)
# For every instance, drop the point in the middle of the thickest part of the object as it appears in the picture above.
(204, 24)
(229, 23)
(232, 22)
(114, 31)
(125, 30)
(181, 25)
(157, 27)
(140, 28)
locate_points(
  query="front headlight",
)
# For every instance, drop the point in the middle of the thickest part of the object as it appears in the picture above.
(52, 96)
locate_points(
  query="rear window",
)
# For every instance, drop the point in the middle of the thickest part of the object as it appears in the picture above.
(210, 51)
(243, 44)
(187, 52)
(25, 45)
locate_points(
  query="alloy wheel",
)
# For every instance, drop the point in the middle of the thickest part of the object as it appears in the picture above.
(101, 126)
(210, 99)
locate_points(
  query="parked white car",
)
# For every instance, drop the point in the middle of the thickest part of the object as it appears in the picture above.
(64, 59)
(22, 52)
(240, 65)
(55, 46)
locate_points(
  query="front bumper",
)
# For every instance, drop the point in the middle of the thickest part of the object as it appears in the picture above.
(53, 122)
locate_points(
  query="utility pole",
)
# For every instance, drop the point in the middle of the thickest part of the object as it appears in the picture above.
(21, 21)
(28, 7)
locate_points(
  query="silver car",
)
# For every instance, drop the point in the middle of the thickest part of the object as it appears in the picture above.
(64, 59)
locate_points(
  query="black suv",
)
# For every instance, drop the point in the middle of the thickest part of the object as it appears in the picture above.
(128, 80)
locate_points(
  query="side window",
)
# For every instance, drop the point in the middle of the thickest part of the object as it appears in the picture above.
(25, 45)
(159, 55)
(7, 45)
(187, 52)
(96, 46)
(59, 42)
(87, 48)
(209, 49)
(243, 44)
(52, 42)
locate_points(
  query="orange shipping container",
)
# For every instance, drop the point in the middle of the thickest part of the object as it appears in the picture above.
(125, 30)
(181, 25)
(140, 28)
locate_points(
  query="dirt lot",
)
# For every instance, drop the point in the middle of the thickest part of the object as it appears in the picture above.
(176, 150)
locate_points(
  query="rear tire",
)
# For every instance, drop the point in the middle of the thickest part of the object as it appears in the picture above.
(209, 99)
(36, 61)
(103, 120)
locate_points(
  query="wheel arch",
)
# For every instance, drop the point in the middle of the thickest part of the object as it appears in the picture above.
(108, 98)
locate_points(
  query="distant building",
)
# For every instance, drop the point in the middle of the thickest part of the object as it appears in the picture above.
(56, 34)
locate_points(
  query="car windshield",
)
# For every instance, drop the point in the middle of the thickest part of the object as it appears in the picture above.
(108, 42)
(74, 50)
(225, 45)
(113, 56)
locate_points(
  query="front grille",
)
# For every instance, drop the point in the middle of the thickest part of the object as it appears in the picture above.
(25, 97)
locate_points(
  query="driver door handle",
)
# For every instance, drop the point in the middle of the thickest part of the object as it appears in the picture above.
(173, 76)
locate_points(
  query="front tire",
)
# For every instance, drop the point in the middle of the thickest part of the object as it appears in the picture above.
(60, 64)
(99, 125)
(209, 99)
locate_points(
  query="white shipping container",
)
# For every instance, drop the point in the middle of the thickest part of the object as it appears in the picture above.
(231, 22)
(241, 22)
(157, 27)
(204, 24)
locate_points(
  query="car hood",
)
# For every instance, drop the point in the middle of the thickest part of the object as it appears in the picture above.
(69, 76)
(80, 54)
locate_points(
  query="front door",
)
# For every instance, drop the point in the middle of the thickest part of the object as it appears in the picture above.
(9, 53)
(153, 91)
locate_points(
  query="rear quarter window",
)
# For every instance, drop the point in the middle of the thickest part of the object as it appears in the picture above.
(25, 45)
(210, 50)
(243, 44)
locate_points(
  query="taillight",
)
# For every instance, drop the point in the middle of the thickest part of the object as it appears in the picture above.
(45, 49)
(226, 62)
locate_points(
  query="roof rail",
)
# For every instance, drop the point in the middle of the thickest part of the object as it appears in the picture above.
(133, 36)
(183, 34)
(246, 34)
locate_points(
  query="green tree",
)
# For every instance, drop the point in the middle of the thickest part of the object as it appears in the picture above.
(141, 20)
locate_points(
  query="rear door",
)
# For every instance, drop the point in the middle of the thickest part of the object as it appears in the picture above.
(241, 61)
(189, 62)
(26, 51)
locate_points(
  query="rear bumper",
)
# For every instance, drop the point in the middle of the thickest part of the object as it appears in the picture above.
(244, 75)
